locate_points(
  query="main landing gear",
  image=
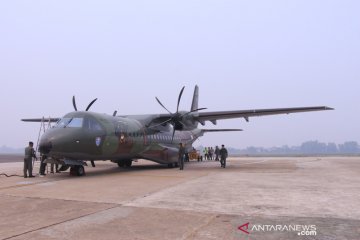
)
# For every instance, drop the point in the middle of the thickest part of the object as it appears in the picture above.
(125, 163)
(77, 170)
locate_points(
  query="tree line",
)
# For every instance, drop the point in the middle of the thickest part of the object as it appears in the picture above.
(309, 147)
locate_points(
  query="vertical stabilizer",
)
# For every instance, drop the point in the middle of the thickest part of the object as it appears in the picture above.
(195, 101)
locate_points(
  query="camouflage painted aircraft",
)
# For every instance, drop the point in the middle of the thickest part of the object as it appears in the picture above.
(82, 136)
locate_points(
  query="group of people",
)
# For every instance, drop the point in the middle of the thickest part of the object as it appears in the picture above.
(208, 154)
(28, 162)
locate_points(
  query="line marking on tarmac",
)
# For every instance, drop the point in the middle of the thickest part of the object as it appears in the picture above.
(255, 162)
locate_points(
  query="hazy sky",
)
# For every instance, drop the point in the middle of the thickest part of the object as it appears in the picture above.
(242, 54)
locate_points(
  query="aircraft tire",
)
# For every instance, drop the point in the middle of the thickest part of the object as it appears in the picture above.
(121, 164)
(73, 171)
(80, 170)
(128, 163)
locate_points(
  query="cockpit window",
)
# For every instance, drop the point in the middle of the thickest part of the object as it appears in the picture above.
(92, 124)
(62, 122)
(70, 123)
(75, 123)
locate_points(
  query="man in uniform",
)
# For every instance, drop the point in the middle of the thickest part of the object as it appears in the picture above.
(181, 156)
(223, 156)
(29, 154)
(217, 153)
(42, 166)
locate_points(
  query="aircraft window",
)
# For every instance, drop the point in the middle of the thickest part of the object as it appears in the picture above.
(92, 124)
(75, 123)
(63, 122)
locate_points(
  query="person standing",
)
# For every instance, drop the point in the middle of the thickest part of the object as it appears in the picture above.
(205, 153)
(29, 155)
(181, 156)
(223, 156)
(217, 153)
(211, 153)
(42, 166)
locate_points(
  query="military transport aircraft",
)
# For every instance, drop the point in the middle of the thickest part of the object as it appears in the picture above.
(82, 136)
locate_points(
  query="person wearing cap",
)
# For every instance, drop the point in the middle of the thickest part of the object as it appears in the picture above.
(29, 154)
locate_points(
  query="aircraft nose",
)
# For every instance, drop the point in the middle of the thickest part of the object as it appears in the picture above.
(45, 147)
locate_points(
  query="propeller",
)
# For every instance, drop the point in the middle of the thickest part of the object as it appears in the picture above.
(74, 103)
(175, 118)
(91, 103)
(88, 107)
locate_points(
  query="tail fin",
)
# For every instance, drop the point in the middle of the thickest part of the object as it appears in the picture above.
(195, 101)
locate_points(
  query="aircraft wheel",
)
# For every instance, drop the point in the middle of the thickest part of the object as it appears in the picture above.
(128, 163)
(170, 165)
(176, 164)
(73, 171)
(121, 164)
(80, 170)
(77, 171)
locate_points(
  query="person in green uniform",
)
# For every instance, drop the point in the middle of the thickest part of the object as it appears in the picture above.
(223, 156)
(29, 155)
(181, 156)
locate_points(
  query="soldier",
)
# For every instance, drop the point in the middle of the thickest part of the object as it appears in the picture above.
(223, 156)
(217, 153)
(181, 156)
(211, 152)
(42, 166)
(29, 154)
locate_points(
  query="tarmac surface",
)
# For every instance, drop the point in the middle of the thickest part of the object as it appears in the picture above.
(268, 197)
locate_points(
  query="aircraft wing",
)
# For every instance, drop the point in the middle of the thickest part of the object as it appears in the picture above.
(40, 120)
(213, 116)
(221, 130)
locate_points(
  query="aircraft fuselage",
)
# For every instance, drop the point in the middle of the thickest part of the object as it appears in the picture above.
(93, 136)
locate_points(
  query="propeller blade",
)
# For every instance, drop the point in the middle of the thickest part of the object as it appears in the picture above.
(169, 120)
(178, 103)
(182, 123)
(92, 102)
(172, 138)
(74, 103)
(162, 105)
(114, 114)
